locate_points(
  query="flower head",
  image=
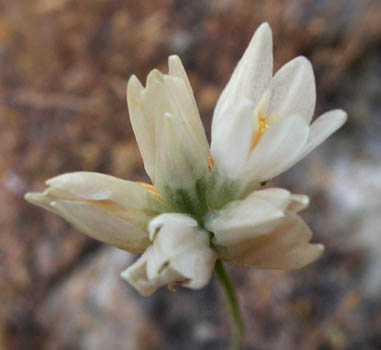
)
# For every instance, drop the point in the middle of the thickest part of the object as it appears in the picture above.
(191, 216)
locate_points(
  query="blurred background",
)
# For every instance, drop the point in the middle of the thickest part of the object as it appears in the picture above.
(63, 71)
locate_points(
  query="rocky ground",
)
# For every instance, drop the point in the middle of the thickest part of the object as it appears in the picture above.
(63, 71)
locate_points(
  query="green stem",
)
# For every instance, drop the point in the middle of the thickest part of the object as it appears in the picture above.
(231, 296)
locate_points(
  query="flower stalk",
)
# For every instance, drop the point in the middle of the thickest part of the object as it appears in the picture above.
(233, 305)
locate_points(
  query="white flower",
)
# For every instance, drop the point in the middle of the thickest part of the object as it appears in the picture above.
(261, 123)
(190, 217)
(264, 231)
(180, 253)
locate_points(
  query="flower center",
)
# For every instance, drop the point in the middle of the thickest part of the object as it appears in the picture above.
(257, 135)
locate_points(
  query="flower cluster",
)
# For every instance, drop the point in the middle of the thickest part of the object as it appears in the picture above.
(206, 204)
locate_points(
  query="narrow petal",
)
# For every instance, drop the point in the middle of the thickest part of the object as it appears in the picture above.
(91, 186)
(285, 248)
(256, 215)
(180, 146)
(323, 127)
(320, 130)
(280, 144)
(108, 209)
(182, 93)
(180, 254)
(142, 124)
(250, 78)
(293, 90)
(231, 145)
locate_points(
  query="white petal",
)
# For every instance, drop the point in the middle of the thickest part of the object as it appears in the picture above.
(142, 124)
(179, 87)
(111, 210)
(170, 219)
(250, 78)
(285, 248)
(231, 145)
(181, 150)
(91, 186)
(323, 127)
(278, 197)
(102, 225)
(256, 215)
(136, 275)
(279, 145)
(298, 203)
(293, 90)
(180, 254)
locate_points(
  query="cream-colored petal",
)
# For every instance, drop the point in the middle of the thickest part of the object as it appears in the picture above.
(323, 127)
(285, 248)
(91, 186)
(111, 210)
(293, 90)
(180, 149)
(256, 215)
(279, 145)
(182, 90)
(231, 145)
(298, 202)
(142, 124)
(320, 130)
(250, 78)
(180, 254)
(103, 225)
(136, 275)
(278, 197)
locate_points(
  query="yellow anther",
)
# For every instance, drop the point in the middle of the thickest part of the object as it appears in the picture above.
(150, 188)
(262, 126)
(210, 162)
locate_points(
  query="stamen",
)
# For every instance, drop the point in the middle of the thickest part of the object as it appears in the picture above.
(172, 285)
(210, 162)
(256, 137)
(150, 188)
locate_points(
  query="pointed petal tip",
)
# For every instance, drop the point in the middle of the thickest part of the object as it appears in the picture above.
(154, 76)
(125, 275)
(174, 59)
(263, 31)
(321, 248)
(33, 197)
(134, 85)
(39, 199)
(265, 26)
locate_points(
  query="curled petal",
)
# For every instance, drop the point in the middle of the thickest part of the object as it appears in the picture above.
(180, 254)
